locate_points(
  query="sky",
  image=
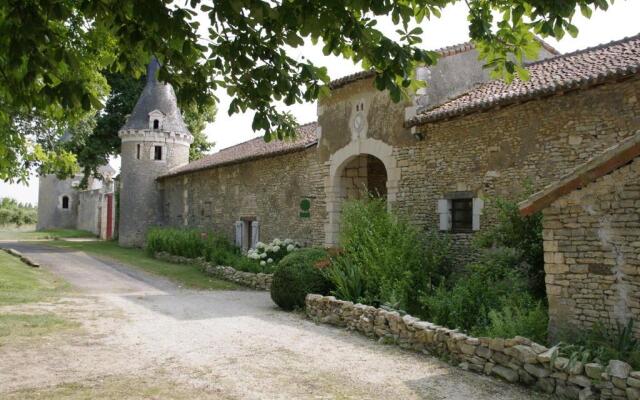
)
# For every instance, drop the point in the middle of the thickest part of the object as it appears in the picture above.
(619, 21)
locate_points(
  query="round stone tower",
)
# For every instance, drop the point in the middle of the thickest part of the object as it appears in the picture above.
(155, 140)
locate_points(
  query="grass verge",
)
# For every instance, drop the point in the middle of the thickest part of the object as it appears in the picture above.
(187, 275)
(119, 387)
(48, 234)
(21, 284)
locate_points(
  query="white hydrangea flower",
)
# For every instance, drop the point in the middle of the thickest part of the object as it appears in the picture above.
(276, 249)
(263, 255)
(263, 263)
(290, 247)
(260, 245)
(277, 242)
(270, 260)
(288, 241)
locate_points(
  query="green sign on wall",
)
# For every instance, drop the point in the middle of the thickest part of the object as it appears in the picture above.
(305, 206)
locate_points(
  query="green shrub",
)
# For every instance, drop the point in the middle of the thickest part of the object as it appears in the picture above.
(487, 285)
(192, 243)
(517, 320)
(296, 276)
(14, 213)
(384, 259)
(524, 234)
(601, 344)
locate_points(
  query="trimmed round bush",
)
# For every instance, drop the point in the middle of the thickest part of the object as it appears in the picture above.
(296, 276)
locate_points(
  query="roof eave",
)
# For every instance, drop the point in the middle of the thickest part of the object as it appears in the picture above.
(239, 161)
(601, 165)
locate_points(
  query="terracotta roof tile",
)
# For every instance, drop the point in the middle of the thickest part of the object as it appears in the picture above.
(250, 150)
(569, 71)
(603, 164)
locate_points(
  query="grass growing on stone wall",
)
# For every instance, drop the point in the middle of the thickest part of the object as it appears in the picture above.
(19, 284)
(189, 276)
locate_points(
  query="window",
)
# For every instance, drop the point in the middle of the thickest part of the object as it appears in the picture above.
(65, 202)
(156, 124)
(138, 149)
(461, 215)
(157, 152)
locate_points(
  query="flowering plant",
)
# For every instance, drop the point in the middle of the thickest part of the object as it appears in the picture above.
(272, 252)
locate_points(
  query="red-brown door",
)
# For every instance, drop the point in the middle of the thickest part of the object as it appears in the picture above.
(109, 216)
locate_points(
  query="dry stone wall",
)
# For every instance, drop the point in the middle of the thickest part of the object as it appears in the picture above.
(516, 360)
(258, 281)
(592, 252)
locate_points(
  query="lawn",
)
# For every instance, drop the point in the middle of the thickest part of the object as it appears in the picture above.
(20, 284)
(186, 275)
(22, 234)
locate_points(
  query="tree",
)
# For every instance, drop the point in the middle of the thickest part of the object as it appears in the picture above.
(52, 52)
(95, 139)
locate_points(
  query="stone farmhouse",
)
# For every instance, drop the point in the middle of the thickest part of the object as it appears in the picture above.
(442, 158)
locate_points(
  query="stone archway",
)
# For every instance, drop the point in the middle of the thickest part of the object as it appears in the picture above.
(365, 165)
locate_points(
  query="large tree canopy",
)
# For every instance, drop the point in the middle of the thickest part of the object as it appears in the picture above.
(52, 53)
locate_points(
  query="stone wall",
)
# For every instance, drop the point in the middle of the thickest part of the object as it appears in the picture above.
(517, 360)
(51, 215)
(268, 190)
(259, 281)
(89, 211)
(592, 247)
(513, 151)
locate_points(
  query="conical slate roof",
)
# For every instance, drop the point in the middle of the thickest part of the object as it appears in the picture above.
(156, 96)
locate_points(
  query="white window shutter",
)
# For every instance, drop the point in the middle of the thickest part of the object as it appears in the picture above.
(444, 211)
(255, 233)
(238, 226)
(478, 205)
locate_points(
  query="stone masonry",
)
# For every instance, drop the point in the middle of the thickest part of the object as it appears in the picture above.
(516, 360)
(592, 241)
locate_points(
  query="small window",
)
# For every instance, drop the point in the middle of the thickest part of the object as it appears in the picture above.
(462, 215)
(138, 151)
(65, 202)
(157, 152)
(156, 124)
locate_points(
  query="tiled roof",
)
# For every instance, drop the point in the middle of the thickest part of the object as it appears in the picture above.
(569, 71)
(443, 51)
(156, 96)
(603, 164)
(251, 150)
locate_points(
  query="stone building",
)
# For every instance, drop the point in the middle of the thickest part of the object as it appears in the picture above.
(591, 222)
(63, 205)
(155, 140)
(441, 158)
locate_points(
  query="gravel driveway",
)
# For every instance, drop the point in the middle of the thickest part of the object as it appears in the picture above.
(217, 344)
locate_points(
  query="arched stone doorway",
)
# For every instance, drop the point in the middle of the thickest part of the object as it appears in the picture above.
(365, 175)
(364, 167)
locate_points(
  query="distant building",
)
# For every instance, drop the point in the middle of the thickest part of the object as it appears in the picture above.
(63, 205)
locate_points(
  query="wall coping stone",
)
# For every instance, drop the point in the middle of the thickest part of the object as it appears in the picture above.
(515, 360)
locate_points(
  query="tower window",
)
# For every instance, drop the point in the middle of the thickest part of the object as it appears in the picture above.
(157, 152)
(65, 202)
(156, 124)
(138, 149)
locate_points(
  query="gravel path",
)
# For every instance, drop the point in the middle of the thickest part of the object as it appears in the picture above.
(223, 344)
